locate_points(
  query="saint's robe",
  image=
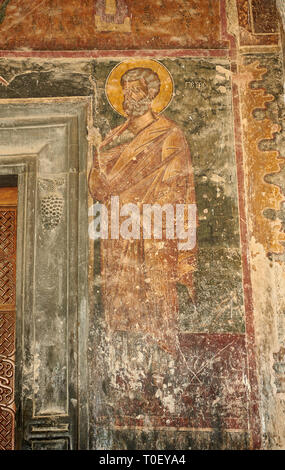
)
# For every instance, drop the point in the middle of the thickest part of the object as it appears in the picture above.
(139, 277)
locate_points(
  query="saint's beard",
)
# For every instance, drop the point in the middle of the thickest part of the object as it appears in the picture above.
(135, 108)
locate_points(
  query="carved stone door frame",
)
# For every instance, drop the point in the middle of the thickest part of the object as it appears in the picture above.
(43, 142)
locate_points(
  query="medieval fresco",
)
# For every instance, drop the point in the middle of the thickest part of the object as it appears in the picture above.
(110, 24)
(167, 309)
(145, 161)
(148, 140)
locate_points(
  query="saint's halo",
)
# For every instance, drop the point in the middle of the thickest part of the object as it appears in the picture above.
(114, 90)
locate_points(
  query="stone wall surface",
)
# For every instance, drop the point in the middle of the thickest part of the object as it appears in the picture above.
(131, 343)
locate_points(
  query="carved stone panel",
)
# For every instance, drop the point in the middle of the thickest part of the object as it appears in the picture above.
(49, 149)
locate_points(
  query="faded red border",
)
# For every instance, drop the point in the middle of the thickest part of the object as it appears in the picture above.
(254, 418)
(224, 31)
(96, 54)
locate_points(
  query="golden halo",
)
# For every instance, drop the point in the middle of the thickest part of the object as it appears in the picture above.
(114, 91)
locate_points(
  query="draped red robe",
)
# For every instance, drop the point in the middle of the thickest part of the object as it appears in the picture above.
(139, 277)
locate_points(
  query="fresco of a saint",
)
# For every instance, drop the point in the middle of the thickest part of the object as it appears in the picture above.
(146, 160)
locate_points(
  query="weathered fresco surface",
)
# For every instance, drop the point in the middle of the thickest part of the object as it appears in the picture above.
(90, 24)
(143, 391)
(258, 22)
(221, 383)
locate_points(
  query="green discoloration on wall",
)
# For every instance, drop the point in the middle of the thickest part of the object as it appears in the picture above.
(207, 123)
(3, 8)
(171, 440)
(128, 374)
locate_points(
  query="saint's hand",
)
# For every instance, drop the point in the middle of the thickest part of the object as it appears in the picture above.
(98, 185)
(94, 136)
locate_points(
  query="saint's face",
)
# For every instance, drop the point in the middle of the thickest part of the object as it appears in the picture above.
(135, 90)
(136, 99)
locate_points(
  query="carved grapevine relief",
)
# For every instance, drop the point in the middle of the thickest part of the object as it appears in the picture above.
(52, 203)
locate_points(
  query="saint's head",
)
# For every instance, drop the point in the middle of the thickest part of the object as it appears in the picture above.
(140, 87)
